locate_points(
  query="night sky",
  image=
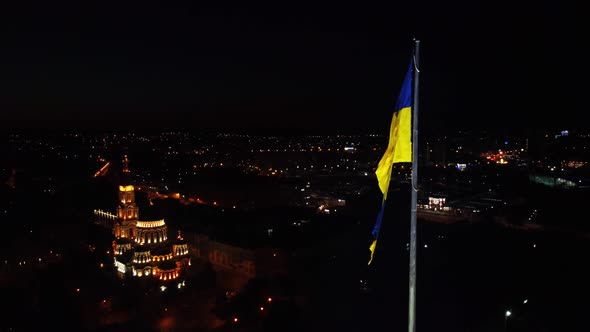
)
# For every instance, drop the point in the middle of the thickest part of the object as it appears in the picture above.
(208, 64)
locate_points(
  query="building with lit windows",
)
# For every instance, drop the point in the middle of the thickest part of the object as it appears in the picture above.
(142, 248)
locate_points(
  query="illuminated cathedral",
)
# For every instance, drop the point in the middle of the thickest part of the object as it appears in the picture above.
(142, 248)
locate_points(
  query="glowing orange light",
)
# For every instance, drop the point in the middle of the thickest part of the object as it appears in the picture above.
(126, 188)
(269, 299)
(235, 319)
(77, 290)
(261, 308)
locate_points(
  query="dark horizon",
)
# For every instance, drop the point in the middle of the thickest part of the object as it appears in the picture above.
(72, 65)
(163, 122)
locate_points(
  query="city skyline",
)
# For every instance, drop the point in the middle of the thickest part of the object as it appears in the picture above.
(266, 233)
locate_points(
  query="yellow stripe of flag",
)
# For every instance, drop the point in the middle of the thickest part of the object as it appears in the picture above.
(399, 149)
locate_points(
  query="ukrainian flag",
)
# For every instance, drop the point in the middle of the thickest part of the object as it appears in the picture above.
(399, 149)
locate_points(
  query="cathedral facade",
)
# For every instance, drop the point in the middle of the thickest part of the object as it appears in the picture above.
(142, 248)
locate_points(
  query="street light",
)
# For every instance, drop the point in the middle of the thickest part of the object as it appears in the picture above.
(506, 315)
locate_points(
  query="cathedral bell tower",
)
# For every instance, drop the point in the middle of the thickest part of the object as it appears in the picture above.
(127, 211)
(126, 165)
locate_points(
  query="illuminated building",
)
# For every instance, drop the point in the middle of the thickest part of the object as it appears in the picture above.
(440, 209)
(142, 248)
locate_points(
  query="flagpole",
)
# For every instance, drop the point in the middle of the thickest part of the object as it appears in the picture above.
(412, 300)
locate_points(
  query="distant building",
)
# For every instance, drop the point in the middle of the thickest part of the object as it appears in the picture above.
(225, 255)
(141, 248)
(325, 203)
(573, 164)
(437, 209)
(250, 262)
(553, 181)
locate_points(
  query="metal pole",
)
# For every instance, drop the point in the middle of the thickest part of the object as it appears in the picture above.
(412, 301)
